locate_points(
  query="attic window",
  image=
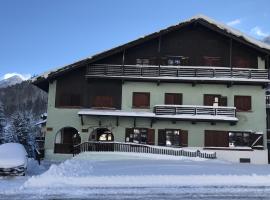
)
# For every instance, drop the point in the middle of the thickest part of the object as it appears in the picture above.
(143, 61)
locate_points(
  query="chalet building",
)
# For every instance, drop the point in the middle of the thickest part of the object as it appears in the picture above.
(198, 85)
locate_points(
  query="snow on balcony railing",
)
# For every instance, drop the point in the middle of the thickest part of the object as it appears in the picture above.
(195, 110)
(139, 71)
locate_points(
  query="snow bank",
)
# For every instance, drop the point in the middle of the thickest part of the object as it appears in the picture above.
(12, 155)
(147, 181)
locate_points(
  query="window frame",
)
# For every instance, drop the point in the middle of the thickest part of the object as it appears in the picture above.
(142, 106)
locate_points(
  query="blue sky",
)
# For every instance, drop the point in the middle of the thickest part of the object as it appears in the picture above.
(36, 36)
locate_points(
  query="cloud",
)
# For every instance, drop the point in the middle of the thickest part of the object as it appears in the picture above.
(234, 22)
(258, 32)
(22, 76)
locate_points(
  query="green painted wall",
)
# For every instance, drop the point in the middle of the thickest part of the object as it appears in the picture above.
(254, 120)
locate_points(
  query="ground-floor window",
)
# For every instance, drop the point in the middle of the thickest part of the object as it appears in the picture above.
(172, 137)
(215, 138)
(140, 135)
(101, 134)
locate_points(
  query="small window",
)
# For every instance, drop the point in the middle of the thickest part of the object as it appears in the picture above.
(141, 99)
(103, 102)
(173, 98)
(140, 135)
(172, 137)
(242, 103)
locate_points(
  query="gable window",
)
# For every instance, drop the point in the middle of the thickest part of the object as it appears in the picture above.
(211, 99)
(173, 99)
(142, 61)
(141, 100)
(242, 103)
(103, 102)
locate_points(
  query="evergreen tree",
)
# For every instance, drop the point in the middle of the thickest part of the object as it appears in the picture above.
(2, 124)
(23, 129)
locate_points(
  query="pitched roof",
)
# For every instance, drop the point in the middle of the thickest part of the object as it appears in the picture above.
(217, 26)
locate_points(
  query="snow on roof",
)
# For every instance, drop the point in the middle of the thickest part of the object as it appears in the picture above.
(222, 26)
(94, 112)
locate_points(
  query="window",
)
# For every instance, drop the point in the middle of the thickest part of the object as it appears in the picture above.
(172, 137)
(210, 99)
(140, 135)
(242, 103)
(173, 98)
(142, 61)
(103, 102)
(239, 139)
(141, 100)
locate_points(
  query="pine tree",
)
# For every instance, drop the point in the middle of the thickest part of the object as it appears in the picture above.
(2, 124)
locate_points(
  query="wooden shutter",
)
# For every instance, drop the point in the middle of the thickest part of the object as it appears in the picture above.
(141, 99)
(151, 136)
(242, 103)
(161, 137)
(173, 98)
(214, 138)
(127, 135)
(103, 101)
(184, 138)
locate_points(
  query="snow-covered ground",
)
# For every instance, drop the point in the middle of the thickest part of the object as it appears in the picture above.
(138, 176)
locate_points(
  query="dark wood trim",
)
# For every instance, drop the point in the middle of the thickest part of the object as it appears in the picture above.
(227, 149)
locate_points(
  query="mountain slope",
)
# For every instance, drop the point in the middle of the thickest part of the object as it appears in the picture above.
(10, 81)
(23, 97)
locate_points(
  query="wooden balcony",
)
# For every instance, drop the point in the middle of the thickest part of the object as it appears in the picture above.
(173, 113)
(177, 73)
(195, 110)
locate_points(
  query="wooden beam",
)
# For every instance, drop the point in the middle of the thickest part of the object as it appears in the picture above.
(230, 54)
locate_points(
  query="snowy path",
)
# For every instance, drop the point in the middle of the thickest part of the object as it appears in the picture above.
(133, 176)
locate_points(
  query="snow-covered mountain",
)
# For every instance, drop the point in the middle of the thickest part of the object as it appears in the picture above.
(267, 40)
(10, 81)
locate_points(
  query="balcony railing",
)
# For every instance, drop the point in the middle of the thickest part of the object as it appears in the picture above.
(195, 110)
(138, 71)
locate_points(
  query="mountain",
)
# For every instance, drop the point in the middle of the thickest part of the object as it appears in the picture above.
(267, 40)
(10, 81)
(23, 97)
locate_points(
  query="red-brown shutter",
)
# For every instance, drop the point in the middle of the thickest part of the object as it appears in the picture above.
(242, 103)
(184, 138)
(161, 137)
(127, 135)
(214, 138)
(141, 99)
(173, 98)
(103, 101)
(151, 136)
